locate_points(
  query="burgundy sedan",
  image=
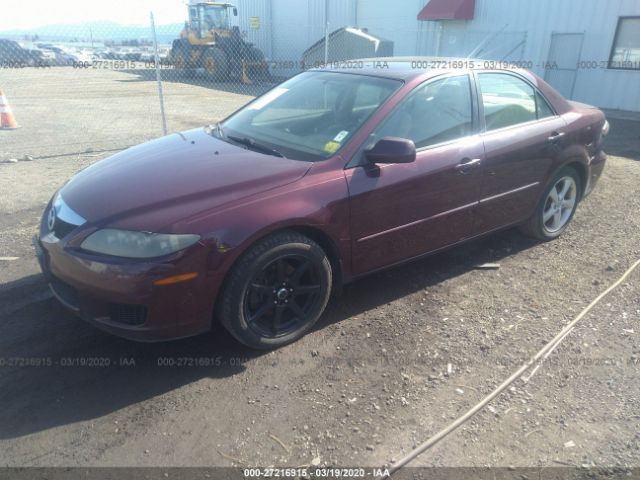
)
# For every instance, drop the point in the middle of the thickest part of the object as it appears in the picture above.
(333, 174)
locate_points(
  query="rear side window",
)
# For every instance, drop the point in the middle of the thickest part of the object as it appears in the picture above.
(507, 100)
(436, 112)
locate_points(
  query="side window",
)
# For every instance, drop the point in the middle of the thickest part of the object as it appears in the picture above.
(507, 100)
(193, 13)
(625, 52)
(543, 108)
(436, 112)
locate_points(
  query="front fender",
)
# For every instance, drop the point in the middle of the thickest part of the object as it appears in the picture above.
(317, 201)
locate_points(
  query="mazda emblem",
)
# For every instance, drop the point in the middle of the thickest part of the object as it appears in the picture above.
(51, 219)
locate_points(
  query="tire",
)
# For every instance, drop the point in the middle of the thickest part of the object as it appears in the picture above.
(276, 291)
(254, 54)
(215, 63)
(259, 69)
(556, 207)
(180, 55)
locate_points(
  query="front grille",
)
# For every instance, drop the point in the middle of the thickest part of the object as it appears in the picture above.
(65, 292)
(128, 314)
(61, 228)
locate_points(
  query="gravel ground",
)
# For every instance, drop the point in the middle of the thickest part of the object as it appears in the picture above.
(65, 110)
(398, 357)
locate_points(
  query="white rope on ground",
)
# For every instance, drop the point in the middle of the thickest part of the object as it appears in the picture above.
(538, 358)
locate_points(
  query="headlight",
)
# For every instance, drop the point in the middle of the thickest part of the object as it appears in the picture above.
(124, 243)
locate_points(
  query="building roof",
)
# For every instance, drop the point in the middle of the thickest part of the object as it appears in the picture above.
(359, 32)
(448, 10)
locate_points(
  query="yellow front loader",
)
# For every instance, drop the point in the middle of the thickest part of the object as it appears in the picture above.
(209, 41)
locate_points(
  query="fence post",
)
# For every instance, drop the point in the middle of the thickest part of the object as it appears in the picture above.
(326, 44)
(440, 28)
(159, 80)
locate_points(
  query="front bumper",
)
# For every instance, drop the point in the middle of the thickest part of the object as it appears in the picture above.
(118, 295)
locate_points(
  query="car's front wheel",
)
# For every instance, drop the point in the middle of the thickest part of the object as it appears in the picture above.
(557, 206)
(276, 291)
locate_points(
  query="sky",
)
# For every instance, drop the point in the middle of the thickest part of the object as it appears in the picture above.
(27, 14)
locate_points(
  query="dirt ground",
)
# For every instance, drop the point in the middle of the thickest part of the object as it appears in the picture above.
(66, 111)
(399, 356)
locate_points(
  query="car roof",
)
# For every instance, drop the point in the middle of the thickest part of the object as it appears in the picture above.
(407, 68)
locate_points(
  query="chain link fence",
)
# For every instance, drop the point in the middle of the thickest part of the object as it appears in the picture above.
(100, 87)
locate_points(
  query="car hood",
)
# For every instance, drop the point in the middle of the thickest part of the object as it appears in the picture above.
(159, 182)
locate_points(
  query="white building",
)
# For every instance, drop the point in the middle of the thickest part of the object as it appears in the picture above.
(588, 49)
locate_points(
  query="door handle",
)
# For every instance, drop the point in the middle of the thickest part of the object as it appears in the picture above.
(555, 137)
(467, 164)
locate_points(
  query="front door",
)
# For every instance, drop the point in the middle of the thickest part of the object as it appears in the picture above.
(399, 211)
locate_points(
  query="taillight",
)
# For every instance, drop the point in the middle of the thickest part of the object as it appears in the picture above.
(605, 128)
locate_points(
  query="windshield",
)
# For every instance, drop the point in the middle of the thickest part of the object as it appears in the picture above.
(215, 17)
(311, 116)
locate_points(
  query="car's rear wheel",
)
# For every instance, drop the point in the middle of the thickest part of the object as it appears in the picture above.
(557, 206)
(276, 291)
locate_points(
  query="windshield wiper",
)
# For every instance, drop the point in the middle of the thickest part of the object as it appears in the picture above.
(251, 144)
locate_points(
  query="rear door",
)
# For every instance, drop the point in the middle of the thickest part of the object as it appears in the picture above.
(522, 136)
(399, 211)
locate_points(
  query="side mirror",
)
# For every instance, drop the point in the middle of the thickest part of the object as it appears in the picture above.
(391, 150)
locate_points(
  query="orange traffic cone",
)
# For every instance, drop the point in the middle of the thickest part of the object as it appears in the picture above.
(7, 120)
